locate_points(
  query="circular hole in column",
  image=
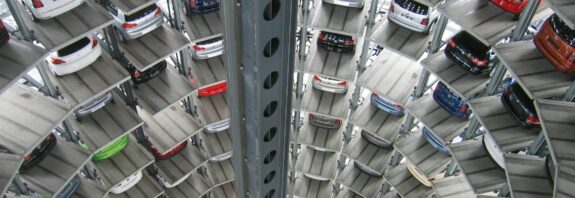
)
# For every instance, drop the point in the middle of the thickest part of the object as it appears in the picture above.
(271, 47)
(270, 109)
(270, 134)
(270, 194)
(269, 177)
(272, 10)
(271, 80)
(270, 157)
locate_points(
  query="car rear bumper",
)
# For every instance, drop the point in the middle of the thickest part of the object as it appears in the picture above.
(334, 47)
(127, 183)
(76, 65)
(100, 103)
(200, 55)
(218, 126)
(389, 108)
(449, 108)
(339, 89)
(548, 50)
(111, 149)
(149, 74)
(46, 13)
(509, 7)
(205, 9)
(144, 28)
(410, 25)
(346, 3)
(436, 143)
(463, 62)
(519, 119)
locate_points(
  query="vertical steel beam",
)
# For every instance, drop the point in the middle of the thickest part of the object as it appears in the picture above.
(26, 33)
(259, 46)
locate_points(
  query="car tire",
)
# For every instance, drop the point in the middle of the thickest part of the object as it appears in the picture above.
(30, 13)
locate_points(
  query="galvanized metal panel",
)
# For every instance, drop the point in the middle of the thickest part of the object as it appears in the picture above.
(564, 182)
(367, 153)
(484, 20)
(439, 121)
(57, 169)
(217, 143)
(329, 139)
(9, 165)
(202, 26)
(131, 6)
(212, 108)
(65, 29)
(89, 83)
(17, 58)
(317, 163)
(146, 188)
(195, 185)
(452, 187)
(89, 189)
(107, 125)
(564, 8)
(326, 103)
(207, 72)
(482, 173)
(340, 19)
(359, 182)
(348, 193)
(376, 121)
(153, 47)
(308, 187)
(391, 76)
(220, 173)
(536, 75)
(405, 184)
(340, 65)
(423, 155)
(22, 106)
(226, 190)
(181, 165)
(163, 91)
(527, 176)
(498, 122)
(557, 120)
(169, 128)
(409, 44)
(457, 79)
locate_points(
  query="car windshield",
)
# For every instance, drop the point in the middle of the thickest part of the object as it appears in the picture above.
(141, 13)
(563, 30)
(468, 42)
(70, 49)
(413, 6)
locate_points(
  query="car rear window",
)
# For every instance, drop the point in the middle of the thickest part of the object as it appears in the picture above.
(469, 42)
(141, 13)
(413, 6)
(335, 36)
(74, 47)
(212, 40)
(563, 30)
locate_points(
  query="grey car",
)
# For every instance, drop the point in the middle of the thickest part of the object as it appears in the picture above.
(329, 84)
(324, 121)
(366, 169)
(136, 24)
(93, 106)
(371, 138)
(208, 48)
(218, 126)
(347, 3)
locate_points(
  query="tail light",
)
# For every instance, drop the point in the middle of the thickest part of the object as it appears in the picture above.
(337, 121)
(463, 108)
(311, 116)
(532, 120)
(398, 105)
(37, 3)
(27, 157)
(425, 21)
(158, 12)
(56, 61)
(198, 48)
(316, 77)
(94, 42)
(322, 36)
(342, 83)
(129, 25)
(193, 3)
(478, 62)
(137, 74)
(451, 42)
(350, 42)
(391, 9)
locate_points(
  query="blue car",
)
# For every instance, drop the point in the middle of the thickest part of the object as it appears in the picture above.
(449, 101)
(201, 6)
(387, 105)
(436, 143)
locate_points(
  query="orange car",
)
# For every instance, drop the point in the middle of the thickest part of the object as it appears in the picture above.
(557, 43)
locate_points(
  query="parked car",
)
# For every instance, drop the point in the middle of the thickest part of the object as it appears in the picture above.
(45, 9)
(328, 84)
(208, 48)
(336, 42)
(218, 126)
(379, 142)
(38, 154)
(435, 142)
(93, 106)
(136, 24)
(75, 56)
(387, 105)
(556, 41)
(520, 106)
(469, 53)
(421, 177)
(221, 157)
(214, 89)
(512, 6)
(4, 34)
(139, 77)
(111, 149)
(346, 3)
(70, 188)
(412, 15)
(449, 101)
(316, 177)
(127, 183)
(324, 121)
(201, 6)
(366, 169)
(494, 151)
(166, 154)
(167, 184)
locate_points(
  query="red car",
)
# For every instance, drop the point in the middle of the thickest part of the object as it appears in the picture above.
(513, 6)
(213, 89)
(167, 154)
(556, 41)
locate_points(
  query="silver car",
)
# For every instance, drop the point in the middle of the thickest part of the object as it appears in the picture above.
(136, 24)
(93, 105)
(218, 126)
(371, 138)
(412, 15)
(221, 157)
(324, 121)
(208, 49)
(347, 3)
(329, 84)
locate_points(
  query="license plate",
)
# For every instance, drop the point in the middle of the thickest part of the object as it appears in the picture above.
(407, 16)
(344, 3)
(96, 108)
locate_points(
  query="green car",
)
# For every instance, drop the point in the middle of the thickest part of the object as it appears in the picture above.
(111, 149)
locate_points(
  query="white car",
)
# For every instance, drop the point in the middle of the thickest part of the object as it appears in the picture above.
(171, 185)
(221, 157)
(412, 15)
(136, 24)
(127, 183)
(45, 9)
(75, 56)
(208, 49)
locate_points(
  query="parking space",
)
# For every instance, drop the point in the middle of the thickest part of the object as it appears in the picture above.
(226, 190)
(180, 166)
(220, 172)
(340, 19)
(329, 139)
(89, 188)
(411, 45)
(564, 180)
(428, 160)
(527, 176)
(317, 164)
(377, 122)
(147, 187)
(17, 58)
(195, 185)
(212, 109)
(217, 145)
(202, 26)
(340, 65)
(564, 8)
(9, 165)
(209, 71)
(326, 103)
(361, 150)
(453, 187)
(439, 121)
(308, 187)
(405, 183)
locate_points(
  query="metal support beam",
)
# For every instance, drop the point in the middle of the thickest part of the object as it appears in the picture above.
(259, 45)
(26, 33)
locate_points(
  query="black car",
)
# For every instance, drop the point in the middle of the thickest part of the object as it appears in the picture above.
(469, 53)
(201, 6)
(371, 138)
(4, 36)
(37, 155)
(143, 76)
(520, 106)
(367, 170)
(336, 42)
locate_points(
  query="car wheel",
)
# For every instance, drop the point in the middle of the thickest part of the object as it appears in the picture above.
(30, 13)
